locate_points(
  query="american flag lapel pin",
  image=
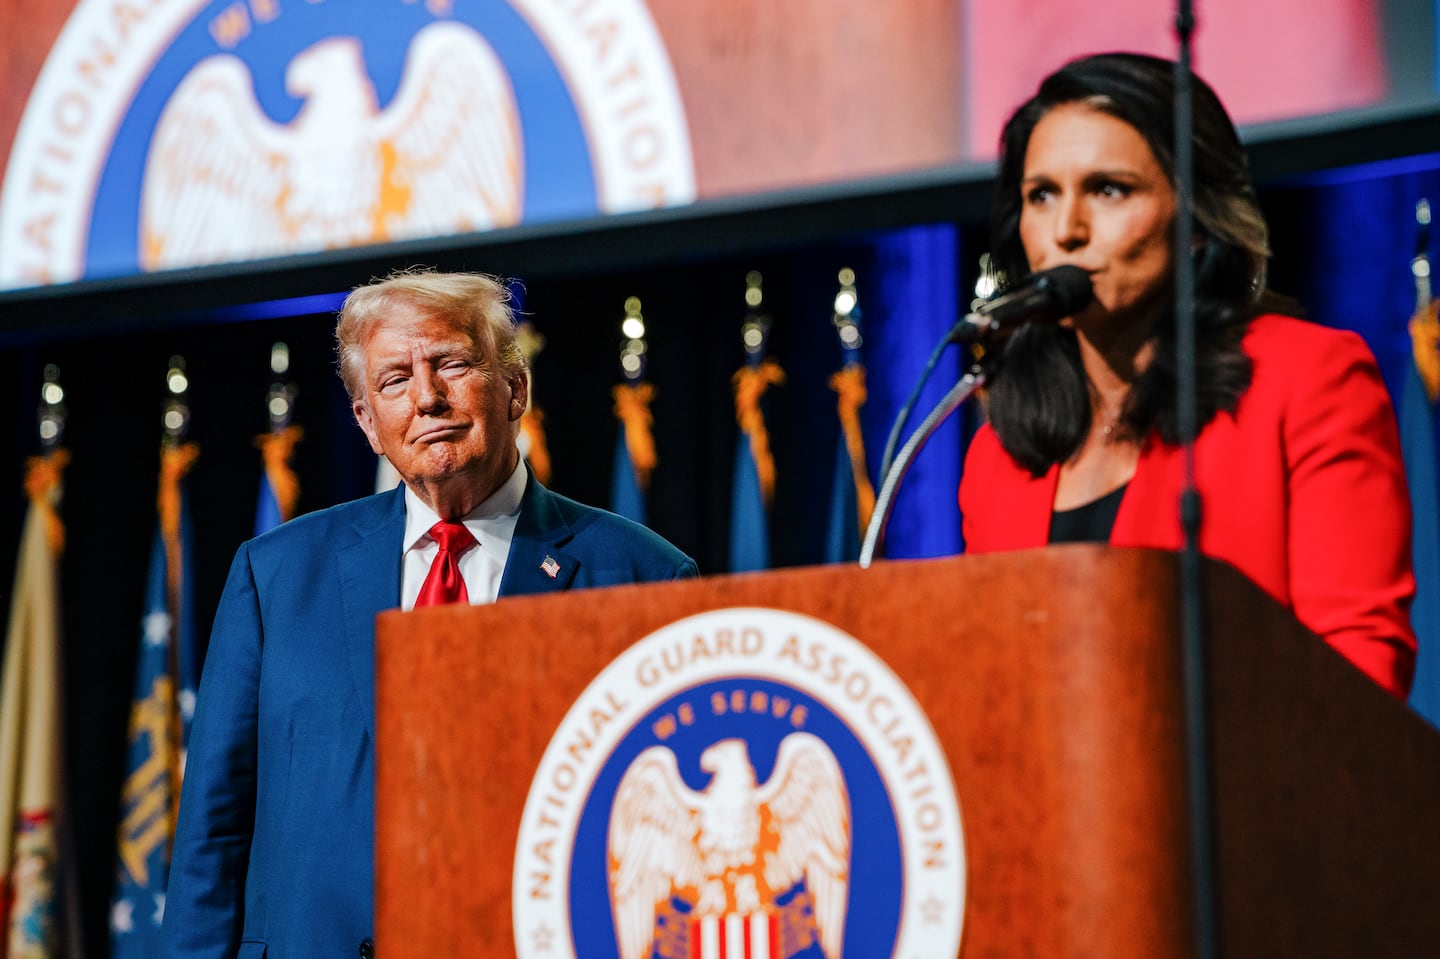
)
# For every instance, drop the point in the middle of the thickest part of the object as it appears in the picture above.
(550, 566)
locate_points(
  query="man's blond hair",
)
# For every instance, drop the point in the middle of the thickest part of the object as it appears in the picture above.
(475, 302)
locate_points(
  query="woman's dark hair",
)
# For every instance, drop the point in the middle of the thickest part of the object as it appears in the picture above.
(1039, 399)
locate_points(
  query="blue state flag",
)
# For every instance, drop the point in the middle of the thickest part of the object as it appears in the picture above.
(166, 673)
(279, 487)
(634, 458)
(626, 497)
(749, 521)
(267, 507)
(752, 483)
(1418, 441)
(842, 532)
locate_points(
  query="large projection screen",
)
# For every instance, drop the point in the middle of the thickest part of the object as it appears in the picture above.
(143, 136)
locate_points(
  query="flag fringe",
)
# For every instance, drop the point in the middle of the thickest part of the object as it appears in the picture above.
(849, 383)
(751, 382)
(276, 450)
(632, 408)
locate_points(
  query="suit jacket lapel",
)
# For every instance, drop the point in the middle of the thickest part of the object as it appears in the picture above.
(369, 571)
(1149, 513)
(1029, 507)
(538, 561)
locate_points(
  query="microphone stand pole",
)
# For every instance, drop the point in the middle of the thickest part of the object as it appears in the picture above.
(973, 379)
(1192, 628)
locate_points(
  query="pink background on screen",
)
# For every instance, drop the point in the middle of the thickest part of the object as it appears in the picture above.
(1267, 59)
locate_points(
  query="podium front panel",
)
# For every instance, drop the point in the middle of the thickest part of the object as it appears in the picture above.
(1050, 680)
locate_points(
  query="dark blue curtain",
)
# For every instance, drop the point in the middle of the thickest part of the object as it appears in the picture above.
(1355, 233)
(915, 300)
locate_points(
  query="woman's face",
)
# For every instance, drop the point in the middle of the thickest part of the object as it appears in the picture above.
(1093, 195)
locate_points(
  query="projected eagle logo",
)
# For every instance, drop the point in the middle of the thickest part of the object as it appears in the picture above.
(223, 182)
(737, 868)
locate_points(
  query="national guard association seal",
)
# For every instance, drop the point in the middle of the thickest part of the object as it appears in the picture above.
(164, 134)
(745, 782)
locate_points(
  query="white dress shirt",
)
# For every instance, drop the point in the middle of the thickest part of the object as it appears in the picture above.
(492, 523)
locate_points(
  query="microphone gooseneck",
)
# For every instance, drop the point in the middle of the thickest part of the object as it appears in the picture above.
(1044, 297)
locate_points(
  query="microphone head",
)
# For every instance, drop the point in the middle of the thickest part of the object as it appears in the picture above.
(1044, 297)
(1068, 287)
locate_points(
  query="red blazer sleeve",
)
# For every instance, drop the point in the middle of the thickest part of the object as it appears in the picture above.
(1349, 523)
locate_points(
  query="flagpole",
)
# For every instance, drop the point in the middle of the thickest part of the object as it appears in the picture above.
(279, 487)
(176, 424)
(533, 445)
(51, 426)
(1420, 262)
(753, 479)
(634, 458)
(852, 497)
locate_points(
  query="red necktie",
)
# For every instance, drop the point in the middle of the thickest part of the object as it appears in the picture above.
(444, 584)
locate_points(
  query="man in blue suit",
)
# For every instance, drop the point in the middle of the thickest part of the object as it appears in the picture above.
(274, 849)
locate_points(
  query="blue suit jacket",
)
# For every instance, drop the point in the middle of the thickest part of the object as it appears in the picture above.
(274, 850)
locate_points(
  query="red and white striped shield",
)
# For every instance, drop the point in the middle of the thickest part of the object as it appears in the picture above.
(735, 936)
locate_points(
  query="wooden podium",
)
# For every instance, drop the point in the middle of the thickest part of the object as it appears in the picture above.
(1052, 680)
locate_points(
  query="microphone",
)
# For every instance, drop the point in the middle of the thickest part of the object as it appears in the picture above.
(1043, 297)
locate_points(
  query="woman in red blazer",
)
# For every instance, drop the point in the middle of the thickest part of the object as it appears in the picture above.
(1297, 459)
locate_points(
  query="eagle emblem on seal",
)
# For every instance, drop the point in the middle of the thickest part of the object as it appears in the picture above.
(738, 867)
(224, 182)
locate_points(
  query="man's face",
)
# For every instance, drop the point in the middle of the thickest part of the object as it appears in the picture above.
(436, 406)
